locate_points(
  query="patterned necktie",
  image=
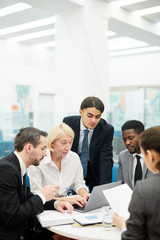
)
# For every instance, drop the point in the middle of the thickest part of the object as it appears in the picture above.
(138, 170)
(84, 152)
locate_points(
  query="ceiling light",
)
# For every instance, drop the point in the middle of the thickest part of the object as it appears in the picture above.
(111, 34)
(26, 26)
(14, 8)
(122, 3)
(33, 35)
(134, 51)
(125, 43)
(147, 11)
(47, 44)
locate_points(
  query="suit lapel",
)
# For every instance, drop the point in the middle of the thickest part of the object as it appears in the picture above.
(15, 161)
(130, 167)
(96, 133)
(77, 133)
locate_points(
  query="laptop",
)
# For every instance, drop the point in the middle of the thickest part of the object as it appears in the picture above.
(97, 198)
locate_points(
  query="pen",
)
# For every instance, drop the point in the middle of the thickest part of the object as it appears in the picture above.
(69, 188)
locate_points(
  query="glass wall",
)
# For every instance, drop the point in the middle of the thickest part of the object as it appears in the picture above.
(140, 104)
(125, 104)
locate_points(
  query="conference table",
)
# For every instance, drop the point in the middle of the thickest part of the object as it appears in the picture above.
(91, 232)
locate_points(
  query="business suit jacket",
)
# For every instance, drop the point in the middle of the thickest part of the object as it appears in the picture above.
(125, 169)
(100, 150)
(17, 208)
(144, 221)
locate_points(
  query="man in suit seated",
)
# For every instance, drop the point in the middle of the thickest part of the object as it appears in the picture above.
(19, 206)
(131, 161)
(98, 162)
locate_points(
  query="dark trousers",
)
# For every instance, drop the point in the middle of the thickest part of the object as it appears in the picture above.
(90, 179)
(41, 235)
(38, 232)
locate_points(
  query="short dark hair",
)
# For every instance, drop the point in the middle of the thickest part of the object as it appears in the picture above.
(92, 102)
(28, 135)
(136, 125)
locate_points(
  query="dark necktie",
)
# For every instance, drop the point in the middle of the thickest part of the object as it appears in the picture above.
(84, 152)
(25, 187)
(138, 170)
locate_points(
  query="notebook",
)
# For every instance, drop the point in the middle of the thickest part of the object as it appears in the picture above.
(53, 218)
(97, 198)
(88, 219)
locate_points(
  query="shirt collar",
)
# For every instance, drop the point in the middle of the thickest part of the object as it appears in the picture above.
(48, 158)
(140, 154)
(22, 165)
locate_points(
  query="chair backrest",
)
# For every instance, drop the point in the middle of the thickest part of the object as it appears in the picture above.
(114, 172)
(1, 135)
(27, 181)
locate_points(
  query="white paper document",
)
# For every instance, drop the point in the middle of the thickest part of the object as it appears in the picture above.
(119, 198)
(52, 218)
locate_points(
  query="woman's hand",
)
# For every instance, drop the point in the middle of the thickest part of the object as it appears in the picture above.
(78, 200)
(83, 192)
(118, 221)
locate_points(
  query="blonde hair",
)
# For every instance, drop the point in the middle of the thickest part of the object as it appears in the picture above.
(58, 131)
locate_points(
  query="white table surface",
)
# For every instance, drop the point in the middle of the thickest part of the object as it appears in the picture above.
(97, 232)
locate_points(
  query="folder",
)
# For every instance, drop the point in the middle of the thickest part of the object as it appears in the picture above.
(50, 218)
(88, 219)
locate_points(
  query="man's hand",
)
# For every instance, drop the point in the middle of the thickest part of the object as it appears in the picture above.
(63, 207)
(75, 199)
(49, 192)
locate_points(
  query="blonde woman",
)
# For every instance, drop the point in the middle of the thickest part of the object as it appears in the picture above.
(60, 167)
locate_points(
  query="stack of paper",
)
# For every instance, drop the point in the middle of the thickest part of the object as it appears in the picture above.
(52, 218)
(119, 198)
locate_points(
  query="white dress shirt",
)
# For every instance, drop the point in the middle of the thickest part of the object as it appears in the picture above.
(22, 165)
(23, 172)
(71, 174)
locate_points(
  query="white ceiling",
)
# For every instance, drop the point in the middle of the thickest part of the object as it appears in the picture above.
(121, 21)
(142, 5)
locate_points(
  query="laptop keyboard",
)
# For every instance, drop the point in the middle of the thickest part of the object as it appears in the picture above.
(78, 207)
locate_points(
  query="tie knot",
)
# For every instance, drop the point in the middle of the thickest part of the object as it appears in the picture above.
(138, 157)
(86, 131)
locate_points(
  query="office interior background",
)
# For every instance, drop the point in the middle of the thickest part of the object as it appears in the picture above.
(54, 53)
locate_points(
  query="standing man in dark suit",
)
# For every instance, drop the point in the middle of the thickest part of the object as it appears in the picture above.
(18, 206)
(131, 131)
(97, 167)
